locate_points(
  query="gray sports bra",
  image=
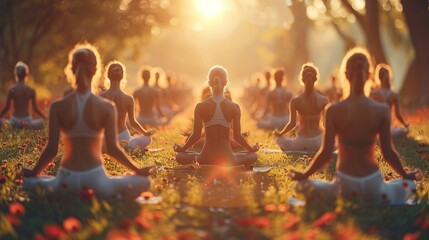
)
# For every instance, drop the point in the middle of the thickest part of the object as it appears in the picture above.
(81, 129)
(218, 117)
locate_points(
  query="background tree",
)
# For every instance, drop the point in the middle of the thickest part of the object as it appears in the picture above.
(41, 32)
(416, 86)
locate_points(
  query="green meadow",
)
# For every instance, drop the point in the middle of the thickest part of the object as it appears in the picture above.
(208, 205)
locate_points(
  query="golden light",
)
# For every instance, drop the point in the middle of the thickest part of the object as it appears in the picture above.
(210, 8)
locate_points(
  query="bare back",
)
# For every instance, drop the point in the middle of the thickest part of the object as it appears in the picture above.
(357, 123)
(309, 113)
(279, 99)
(21, 95)
(123, 103)
(80, 153)
(217, 143)
(147, 98)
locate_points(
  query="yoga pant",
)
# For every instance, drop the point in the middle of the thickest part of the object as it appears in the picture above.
(168, 112)
(130, 143)
(300, 143)
(73, 182)
(150, 121)
(26, 122)
(274, 123)
(370, 189)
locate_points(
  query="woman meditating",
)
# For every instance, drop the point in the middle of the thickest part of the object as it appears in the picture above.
(308, 106)
(356, 122)
(217, 114)
(125, 107)
(21, 95)
(383, 74)
(82, 118)
(148, 98)
(278, 102)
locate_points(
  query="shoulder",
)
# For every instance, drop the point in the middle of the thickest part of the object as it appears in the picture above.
(323, 99)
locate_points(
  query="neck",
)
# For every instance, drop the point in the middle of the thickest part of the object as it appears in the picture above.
(308, 92)
(82, 89)
(115, 84)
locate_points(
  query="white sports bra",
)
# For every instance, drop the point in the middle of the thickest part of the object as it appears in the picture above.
(218, 117)
(81, 129)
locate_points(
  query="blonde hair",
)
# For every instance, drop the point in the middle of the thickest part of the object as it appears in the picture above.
(106, 74)
(21, 64)
(92, 61)
(378, 69)
(308, 67)
(216, 72)
(349, 64)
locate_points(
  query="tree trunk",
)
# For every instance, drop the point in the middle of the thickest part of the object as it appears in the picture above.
(371, 27)
(415, 90)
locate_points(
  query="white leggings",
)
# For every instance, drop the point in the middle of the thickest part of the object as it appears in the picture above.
(370, 189)
(26, 122)
(300, 143)
(273, 123)
(104, 187)
(131, 143)
(151, 121)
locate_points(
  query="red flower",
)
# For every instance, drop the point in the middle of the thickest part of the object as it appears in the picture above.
(71, 224)
(243, 222)
(283, 208)
(53, 231)
(86, 193)
(143, 222)
(146, 195)
(17, 209)
(411, 236)
(270, 207)
(405, 184)
(261, 222)
(291, 221)
(184, 235)
(424, 157)
(324, 220)
(13, 219)
(125, 223)
(165, 180)
(39, 236)
(176, 179)
(3, 178)
(116, 234)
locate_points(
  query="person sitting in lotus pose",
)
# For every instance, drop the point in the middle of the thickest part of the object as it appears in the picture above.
(383, 74)
(148, 98)
(308, 106)
(278, 101)
(357, 121)
(21, 95)
(125, 108)
(217, 114)
(82, 118)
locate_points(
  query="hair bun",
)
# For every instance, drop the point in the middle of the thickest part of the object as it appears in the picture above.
(81, 55)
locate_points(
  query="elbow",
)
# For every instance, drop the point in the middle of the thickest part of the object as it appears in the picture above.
(113, 150)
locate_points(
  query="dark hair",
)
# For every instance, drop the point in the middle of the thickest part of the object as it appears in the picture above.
(279, 75)
(309, 68)
(379, 69)
(108, 70)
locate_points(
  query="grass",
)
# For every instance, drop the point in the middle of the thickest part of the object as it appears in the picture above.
(200, 206)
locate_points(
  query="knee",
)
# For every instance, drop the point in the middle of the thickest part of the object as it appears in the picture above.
(182, 158)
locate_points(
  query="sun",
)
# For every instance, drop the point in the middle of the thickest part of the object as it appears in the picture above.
(210, 8)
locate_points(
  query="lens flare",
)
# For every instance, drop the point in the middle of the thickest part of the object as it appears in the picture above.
(210, 8)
